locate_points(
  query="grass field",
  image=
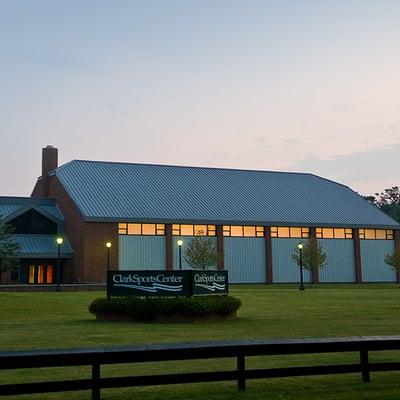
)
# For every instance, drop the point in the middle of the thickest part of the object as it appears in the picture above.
(56, 320)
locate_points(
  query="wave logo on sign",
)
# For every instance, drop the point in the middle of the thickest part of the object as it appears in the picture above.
(214, 287)
(152, 289)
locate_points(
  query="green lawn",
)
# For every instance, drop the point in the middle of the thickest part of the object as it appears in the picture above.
(55, 320)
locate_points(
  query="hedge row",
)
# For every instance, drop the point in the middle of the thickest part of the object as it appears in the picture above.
(148, 308)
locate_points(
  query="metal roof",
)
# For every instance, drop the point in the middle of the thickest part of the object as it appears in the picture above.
(42, 246)
(10, 206)
(109, 191)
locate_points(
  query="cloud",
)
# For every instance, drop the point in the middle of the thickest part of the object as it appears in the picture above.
(361, 170)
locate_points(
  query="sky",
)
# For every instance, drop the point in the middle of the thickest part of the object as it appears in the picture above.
(302, 85)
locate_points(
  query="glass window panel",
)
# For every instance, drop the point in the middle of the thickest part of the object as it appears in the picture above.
(249, 231)
(122, 229)
(236, 230)
(327, 233)
(274, 229)
(380, 234)
(134, 229)
(369, 233)
(31, 278)
(295, 232)
(41, 274)
(211, 230)
(187, 230)
(200, 230)
(160, 226)
(148, 229)
(226, 233)
(349, 233)
(339, 233)
(283, 231)
(305, 232)
(49, 274)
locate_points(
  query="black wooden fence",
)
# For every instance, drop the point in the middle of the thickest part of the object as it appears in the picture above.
(239, 349)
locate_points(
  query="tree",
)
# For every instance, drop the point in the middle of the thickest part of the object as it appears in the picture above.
(201, 253)
(313, 255)
(388, 201)
(393, 260)
(9, 249)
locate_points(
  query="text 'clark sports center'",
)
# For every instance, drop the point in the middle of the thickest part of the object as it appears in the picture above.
(255, 217)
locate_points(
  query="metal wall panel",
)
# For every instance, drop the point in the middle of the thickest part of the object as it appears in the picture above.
(141, 252)
(284, 269)
(175, 251)
(373, 266)
(245, 259)
(340, 266)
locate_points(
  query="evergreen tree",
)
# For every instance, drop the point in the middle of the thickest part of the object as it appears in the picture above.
(9, 249)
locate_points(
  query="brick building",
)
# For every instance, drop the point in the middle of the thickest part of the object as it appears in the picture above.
(255, 217)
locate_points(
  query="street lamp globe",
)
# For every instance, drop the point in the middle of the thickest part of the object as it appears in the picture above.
(59, 240)
(180, 242)
(300, 246)
(108, 245)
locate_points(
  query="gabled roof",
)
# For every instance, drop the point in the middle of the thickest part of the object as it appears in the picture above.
(12, 207)
(42, 246)
(109, 191)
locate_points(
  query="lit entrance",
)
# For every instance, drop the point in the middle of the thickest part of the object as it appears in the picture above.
(42, 273)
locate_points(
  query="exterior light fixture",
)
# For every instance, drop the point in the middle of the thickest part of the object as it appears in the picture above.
(300, 247)
(108, 247)
(180, 243)
(59, 241)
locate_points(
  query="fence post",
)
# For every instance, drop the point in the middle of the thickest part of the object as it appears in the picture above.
(95, 381)
(241, 380)
(364, 366)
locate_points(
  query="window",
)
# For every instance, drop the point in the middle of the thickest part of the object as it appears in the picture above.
(290, 232)
(334, 233)
(378, 234)
(41, 274)
(141, 229)
(193, 230)
(243, 231)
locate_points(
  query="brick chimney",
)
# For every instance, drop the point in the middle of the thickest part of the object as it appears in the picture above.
(49, 162)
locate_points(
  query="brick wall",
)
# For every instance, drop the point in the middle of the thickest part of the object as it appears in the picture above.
(96, 234)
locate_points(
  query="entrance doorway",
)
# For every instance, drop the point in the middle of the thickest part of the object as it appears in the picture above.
(41, 273)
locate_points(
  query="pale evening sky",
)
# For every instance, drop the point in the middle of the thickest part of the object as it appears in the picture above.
(308, 86)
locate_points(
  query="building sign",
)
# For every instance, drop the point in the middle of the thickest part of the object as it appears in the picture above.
(209, 282)
(166, 283)
(148, 283)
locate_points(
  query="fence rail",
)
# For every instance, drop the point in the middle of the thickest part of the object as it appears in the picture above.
(239, 349)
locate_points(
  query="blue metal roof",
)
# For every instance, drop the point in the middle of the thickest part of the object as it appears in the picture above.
(42, 246)
(14, 205)
(107, 191)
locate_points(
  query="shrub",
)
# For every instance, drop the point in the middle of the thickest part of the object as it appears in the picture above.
(148, 308)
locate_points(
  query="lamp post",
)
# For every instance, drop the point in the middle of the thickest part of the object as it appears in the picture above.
(180, 243)
(300, 247)
(108, 246)
(59, 242)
